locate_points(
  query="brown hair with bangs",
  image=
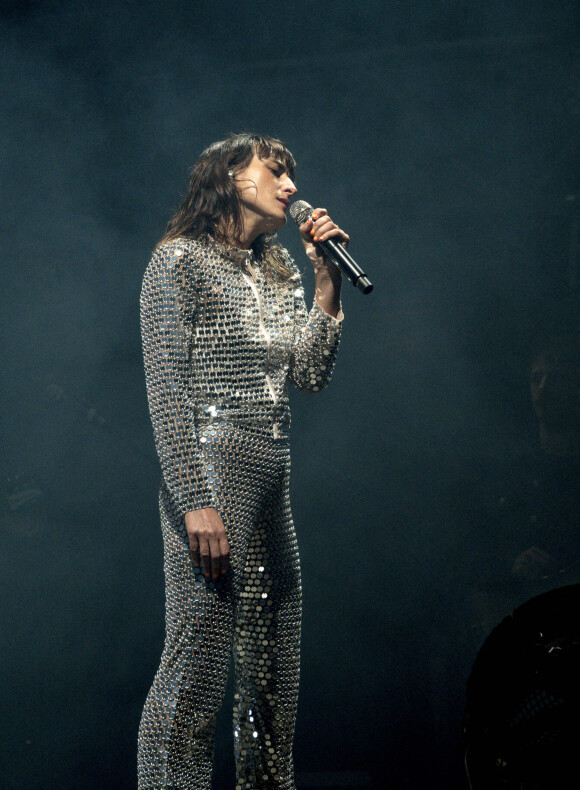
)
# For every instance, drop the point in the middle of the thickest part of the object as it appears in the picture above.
(212, 207)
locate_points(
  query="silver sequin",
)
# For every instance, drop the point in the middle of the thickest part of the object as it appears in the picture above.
(220, 342)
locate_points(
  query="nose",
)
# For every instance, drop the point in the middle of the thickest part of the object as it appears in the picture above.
(289, 187)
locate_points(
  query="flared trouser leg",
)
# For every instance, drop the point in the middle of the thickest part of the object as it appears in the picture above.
(255, 608)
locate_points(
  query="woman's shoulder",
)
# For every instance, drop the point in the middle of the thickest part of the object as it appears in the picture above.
(179, 247)
(177, 263)
(177, 255)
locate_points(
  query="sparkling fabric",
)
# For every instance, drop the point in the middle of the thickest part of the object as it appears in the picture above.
(221, 340)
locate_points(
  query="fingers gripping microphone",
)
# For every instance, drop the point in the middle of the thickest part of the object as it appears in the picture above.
(302, 211)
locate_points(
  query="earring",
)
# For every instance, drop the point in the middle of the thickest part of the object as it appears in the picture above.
(231, 173)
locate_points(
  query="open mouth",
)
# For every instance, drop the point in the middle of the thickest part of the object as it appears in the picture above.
(285, 203)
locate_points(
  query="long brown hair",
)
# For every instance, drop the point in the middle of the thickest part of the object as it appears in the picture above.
(212, 203)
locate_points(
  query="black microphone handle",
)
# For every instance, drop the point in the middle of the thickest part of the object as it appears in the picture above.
(347, 265)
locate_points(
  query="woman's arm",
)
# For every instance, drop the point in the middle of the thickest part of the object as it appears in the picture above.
(328, 279)
(317, 333)
(168, 313)
(168, 309)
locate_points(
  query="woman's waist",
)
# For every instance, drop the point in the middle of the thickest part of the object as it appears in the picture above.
(271, 418)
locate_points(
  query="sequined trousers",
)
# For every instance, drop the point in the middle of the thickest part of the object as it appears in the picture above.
(254, 611)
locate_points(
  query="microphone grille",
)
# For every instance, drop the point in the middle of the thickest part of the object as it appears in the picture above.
(300, 211)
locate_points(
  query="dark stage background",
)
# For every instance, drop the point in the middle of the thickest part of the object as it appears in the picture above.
(443, 136)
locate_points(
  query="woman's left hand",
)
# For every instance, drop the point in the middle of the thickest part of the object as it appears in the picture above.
(320, 227)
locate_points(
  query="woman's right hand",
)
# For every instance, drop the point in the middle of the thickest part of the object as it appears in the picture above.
(208, 543)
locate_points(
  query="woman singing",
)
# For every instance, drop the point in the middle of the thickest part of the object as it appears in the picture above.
(224, 328)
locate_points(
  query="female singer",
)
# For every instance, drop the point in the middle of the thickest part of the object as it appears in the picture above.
(224, 328)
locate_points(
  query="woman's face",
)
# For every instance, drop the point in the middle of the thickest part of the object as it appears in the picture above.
(265, 189)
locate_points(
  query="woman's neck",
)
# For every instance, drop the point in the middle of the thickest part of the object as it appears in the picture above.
(243, 242)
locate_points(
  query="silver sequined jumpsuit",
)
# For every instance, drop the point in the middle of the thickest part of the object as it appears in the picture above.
(220, 342)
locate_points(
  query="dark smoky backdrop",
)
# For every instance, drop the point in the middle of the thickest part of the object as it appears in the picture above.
(443, 136)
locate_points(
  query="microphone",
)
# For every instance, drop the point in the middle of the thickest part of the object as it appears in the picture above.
(300, 211)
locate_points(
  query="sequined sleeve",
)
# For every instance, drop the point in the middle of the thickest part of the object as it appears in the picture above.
(168, 311)
(315, 343)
